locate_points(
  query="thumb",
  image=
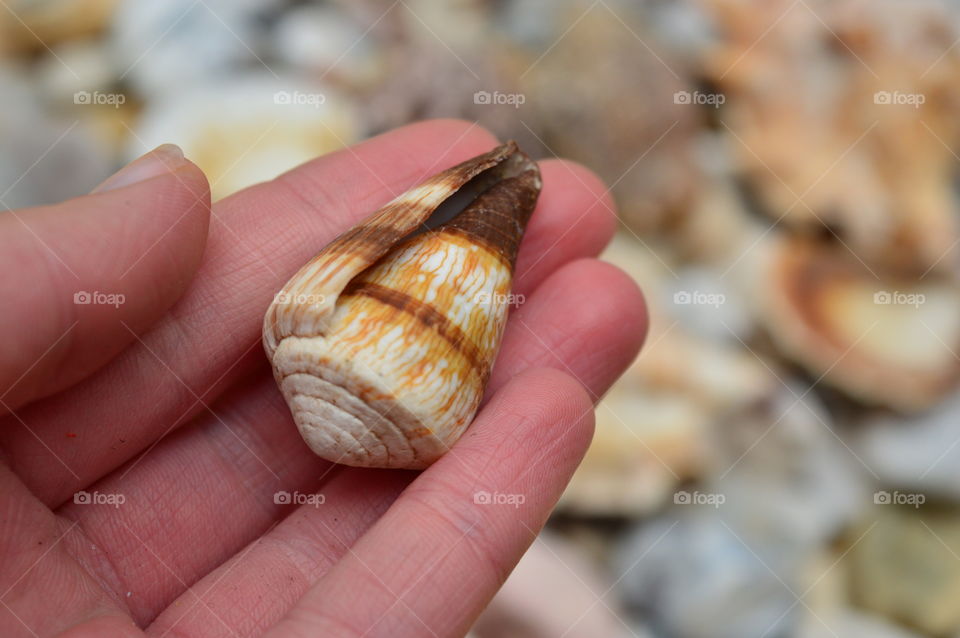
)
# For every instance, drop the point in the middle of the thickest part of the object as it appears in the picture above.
(91, 273)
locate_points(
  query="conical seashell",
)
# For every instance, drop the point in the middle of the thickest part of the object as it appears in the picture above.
(383, 343)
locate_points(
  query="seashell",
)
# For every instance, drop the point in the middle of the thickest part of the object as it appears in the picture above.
(382, 344)
(29, 26)
(645, 444)
(872, 171)
(655, 189)
(886, 342)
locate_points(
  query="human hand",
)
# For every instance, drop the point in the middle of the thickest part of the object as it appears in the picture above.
(153, 401)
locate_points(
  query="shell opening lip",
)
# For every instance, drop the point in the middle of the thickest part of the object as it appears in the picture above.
(475, 192)
(516, 163)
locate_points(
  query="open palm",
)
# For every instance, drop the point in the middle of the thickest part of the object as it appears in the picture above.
(152, 478)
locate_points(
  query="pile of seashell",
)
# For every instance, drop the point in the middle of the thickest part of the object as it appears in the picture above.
(786, 176)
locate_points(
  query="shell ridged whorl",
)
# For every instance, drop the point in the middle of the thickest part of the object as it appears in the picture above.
(382, 344)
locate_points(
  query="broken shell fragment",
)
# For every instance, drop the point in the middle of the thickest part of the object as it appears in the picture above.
(382, 344)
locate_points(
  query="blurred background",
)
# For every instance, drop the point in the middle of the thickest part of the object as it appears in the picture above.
(784, 457)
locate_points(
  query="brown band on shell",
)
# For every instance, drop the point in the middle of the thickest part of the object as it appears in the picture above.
(498, 217)
(427, 315)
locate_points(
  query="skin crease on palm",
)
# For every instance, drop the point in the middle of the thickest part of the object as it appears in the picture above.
(167, 401)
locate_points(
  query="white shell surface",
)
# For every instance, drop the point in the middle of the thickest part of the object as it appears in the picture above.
(384, 389)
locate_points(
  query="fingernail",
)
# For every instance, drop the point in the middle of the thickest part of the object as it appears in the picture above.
(161, 160)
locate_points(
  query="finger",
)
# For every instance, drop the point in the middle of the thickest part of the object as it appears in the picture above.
(578, 219)
(438, 555)
(278, 568)
(271, 447)
(94, 271)
(39, 553)
(588, 319)
(213, 335)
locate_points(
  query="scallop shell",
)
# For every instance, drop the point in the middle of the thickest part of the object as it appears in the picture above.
(382, 344)
(886, 342)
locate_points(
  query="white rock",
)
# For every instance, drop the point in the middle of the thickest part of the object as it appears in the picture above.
(707, 305)
(83, 65)
(692, 576)
(248, 129)
(163, 46)
(43, 159)
(555, 590)
(324, 38)
(787, 475)
(851, 623)
(920, 453)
